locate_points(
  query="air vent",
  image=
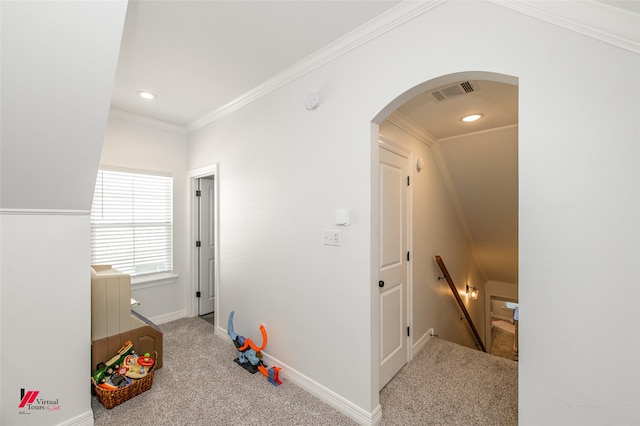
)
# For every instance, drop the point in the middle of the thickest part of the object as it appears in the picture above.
(446, 93)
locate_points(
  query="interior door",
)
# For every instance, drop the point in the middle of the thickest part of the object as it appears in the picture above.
(393, 264)
(206, 251)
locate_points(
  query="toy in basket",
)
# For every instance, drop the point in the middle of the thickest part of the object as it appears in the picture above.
(122, 377)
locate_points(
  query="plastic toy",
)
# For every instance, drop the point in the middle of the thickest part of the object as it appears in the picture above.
(138, 366)
(271, 374)
(105, 370)
(115, 381)
(146, 360)
(249, 355)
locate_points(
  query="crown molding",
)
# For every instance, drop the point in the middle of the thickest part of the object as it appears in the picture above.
(412, 128)
(480, 132)
(594, 19)
(383, 23)
(146, 121)
(597, 20)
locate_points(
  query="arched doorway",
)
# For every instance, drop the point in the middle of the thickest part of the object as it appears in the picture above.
(447, 214)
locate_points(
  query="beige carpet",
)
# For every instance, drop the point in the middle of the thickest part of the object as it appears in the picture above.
(502, 343)
(449, 384)
(201, 385)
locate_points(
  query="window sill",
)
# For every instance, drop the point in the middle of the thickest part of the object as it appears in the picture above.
(153, 280)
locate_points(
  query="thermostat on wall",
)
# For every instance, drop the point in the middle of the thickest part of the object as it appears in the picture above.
(342, 217)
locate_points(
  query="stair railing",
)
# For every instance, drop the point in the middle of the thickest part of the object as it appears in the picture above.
(454, 290)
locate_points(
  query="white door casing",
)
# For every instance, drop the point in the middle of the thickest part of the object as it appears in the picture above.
(206, 251)
(393, 276)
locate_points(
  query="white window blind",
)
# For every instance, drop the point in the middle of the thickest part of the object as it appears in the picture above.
(132, 222)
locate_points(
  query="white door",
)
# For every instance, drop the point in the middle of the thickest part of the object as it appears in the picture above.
(393, 264)
(206, 251)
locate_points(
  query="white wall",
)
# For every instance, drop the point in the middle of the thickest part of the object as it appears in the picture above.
(58, 67)
(133, 144)
(43, 295)
(436, 231)
(284, 170)
(279, 188)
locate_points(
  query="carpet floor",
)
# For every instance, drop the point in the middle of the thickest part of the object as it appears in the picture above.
(449, 384)
(200, 384)
(502, 343)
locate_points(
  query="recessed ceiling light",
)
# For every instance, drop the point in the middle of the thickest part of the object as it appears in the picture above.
(471, 117)
(147, 95)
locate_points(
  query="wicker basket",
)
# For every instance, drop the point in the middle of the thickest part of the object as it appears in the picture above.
(111, 398)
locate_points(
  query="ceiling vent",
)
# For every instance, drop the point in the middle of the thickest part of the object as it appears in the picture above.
(448, 92)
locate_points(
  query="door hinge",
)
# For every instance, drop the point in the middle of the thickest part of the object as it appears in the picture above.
(408, 256)
(198, 243)
(408, 181)
(198, 193)
(408, 331)
(198, 294)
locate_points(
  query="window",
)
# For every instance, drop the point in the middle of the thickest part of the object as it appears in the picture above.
(132, 222)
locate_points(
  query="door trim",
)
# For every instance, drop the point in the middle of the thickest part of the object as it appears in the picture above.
(488, 297)
(190, 297)
(388, 145)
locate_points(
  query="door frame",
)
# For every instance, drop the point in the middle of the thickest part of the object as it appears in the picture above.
(190, 297)
(491, 294)
(389, 145)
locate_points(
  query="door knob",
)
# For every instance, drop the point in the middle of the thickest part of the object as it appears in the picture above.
(380, 283)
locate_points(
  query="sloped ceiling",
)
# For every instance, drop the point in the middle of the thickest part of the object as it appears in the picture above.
(484, 173)
(58, 67)
(480, 166)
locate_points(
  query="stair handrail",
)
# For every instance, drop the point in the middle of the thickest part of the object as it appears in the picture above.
(454, 290)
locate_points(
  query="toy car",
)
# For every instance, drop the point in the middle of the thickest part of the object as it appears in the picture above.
(106, 369)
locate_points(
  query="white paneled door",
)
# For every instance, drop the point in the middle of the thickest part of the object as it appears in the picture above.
(392, 283)
(206, 251)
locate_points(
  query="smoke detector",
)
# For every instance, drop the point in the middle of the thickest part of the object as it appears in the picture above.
(454, 90)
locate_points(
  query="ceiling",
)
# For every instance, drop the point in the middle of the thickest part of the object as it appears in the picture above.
(479, 162)
(199, 56)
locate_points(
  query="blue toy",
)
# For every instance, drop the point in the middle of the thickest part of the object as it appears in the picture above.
(249, 355)
(272, 375)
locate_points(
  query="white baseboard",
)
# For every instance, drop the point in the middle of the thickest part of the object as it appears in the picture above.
(326, 395)
(84, 419)
(221, 332)
(171, 316)
(316, 389)
(417, 347)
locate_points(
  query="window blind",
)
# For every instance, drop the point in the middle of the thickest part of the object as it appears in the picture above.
(132, 222)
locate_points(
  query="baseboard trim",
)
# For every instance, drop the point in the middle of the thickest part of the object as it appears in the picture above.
(419, 345)
(171, 316)
(84, 419)
(326, 395)
(336, 401)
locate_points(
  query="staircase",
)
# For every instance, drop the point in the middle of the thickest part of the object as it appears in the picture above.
(451, 384)
(463, 308)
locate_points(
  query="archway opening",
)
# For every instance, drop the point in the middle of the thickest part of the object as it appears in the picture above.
(464, 198)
